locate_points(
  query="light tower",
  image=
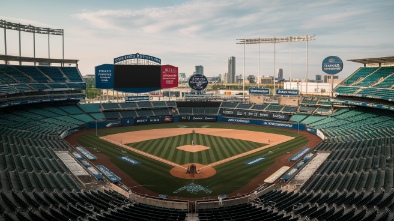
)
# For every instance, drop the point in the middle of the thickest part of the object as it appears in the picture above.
(274, 40)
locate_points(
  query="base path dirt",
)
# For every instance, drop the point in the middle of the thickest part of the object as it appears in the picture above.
(270, 139)
(147, 134)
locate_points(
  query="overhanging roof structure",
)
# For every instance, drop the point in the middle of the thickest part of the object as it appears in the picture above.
(381, 60)
(41, 60)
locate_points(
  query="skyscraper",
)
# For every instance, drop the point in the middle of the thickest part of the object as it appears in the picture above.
(280, 74)
(231, 70)
(199, 70)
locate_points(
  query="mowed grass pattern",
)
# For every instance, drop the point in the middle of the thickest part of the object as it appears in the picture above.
(220, 148)
(155, 175)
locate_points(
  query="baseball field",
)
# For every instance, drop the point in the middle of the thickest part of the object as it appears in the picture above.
(231, 159)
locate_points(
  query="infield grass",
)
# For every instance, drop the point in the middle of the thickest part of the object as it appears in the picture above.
(155, 175)
(219, 148)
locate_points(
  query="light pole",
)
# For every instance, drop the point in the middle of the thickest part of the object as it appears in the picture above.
(278, 40)
(243, 80)
(258, 79)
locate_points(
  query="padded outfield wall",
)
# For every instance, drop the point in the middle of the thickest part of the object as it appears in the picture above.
(193, 118)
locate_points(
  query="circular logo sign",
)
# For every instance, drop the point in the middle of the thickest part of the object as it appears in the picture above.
(332, 65)
(198, 82)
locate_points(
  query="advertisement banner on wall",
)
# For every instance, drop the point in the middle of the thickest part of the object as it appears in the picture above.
(103, 124)
(311, 130)
(154, 120)
(168, 119)
(198, 118)
(286, 92)
(136, 98)
(210, 118)
(169, 76)
(104, 76)
(259, 91)
(263, 123)
(185, 118)
(127, 122)
(256, 114)
(141, 120)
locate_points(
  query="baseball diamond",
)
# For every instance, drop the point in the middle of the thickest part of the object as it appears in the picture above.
(221, 167)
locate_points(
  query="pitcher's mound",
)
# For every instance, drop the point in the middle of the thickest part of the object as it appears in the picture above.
(193, 148)
(205, 171)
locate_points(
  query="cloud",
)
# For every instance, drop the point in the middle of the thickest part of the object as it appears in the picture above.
(204, 31)
(183, 18)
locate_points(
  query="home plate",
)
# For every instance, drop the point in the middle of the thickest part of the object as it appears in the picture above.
(193, 148)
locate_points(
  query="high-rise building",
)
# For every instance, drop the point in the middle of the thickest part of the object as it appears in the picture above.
(280, 74)
(251, 78)
(231, 70)
(224, 79)
(199, 70)
(327, 78)
(318, 78)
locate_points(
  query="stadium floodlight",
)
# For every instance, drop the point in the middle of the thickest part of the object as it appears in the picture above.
(31, 29)
(275, 40)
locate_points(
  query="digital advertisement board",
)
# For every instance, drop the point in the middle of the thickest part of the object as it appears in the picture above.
(137, 76)
(104, 76)
(254, 114)
(169, 76)
(136, 98)
(286, 92)
(259, 91)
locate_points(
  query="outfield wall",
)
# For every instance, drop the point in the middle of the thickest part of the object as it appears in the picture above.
(197, 118)
(280, 124)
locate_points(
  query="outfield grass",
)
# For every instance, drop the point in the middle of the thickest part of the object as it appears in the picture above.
(219, 148)
(155, 176)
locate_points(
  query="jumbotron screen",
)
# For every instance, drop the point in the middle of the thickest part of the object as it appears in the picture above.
(137, 76)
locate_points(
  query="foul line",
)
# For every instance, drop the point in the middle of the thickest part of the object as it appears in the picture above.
(209, 165)
(144, 153)
(244, 154)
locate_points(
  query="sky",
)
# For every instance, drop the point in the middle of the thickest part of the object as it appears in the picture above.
(204, 32)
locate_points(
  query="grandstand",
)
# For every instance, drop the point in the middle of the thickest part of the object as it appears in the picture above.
(375, 81)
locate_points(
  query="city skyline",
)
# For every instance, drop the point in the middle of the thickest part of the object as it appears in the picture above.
(187, 33)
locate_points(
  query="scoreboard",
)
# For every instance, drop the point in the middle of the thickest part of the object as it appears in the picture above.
(136, 78)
